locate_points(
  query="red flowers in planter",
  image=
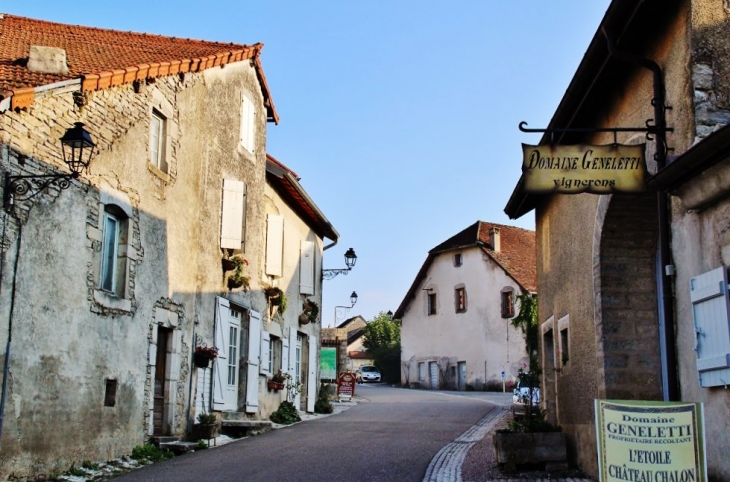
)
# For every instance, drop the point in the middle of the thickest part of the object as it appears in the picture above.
(203, 355)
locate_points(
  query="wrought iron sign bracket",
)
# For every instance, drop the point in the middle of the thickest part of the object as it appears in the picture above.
(331, 273)
(649, 129)
(26, 187)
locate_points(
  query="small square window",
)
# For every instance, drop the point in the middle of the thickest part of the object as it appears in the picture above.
(432, 303)
(110, 394)
(460, 298)
(458, 260)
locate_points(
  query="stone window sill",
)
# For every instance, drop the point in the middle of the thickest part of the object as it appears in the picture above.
(158, 172)
(110, 301)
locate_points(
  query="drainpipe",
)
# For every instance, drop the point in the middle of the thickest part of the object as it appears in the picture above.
(667, 337)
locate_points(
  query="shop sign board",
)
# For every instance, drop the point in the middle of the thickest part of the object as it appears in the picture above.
(328, 363)
(644, 441)
(574, 169)
(346, 385)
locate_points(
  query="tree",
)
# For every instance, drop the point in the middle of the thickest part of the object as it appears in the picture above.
(381, 339)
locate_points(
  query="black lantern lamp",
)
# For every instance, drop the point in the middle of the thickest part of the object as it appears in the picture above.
(350, 260)
(77, 149)
(341, 311)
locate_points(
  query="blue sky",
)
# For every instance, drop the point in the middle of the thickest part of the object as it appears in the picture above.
(400, 117)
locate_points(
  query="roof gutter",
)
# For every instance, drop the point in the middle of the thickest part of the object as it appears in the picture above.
(289, 177)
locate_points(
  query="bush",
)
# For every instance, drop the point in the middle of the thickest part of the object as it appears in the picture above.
(151, 453)
(286, 414)
(322, 406)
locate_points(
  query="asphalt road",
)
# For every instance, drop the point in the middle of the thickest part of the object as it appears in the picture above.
(392, 436)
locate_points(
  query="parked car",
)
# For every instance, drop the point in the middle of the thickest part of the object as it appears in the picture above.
(367, 373)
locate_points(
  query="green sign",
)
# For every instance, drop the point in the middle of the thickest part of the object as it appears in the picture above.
(641, 441)
(328, 363)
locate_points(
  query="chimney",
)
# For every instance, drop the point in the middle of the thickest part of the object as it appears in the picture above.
(48, 60)
(494, 239)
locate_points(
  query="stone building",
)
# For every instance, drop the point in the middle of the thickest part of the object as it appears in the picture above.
(617, 273)
(456, 315)
(109, 286)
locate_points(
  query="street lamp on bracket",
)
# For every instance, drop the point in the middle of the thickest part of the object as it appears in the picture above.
(350, 260)
(342, 310)
(77, 148)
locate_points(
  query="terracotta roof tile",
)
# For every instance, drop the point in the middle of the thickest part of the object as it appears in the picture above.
(104, 57)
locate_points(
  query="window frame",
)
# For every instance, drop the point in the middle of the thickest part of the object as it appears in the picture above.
(460, 302)
(109, 260)
(431, 304)
(458, 260)
(159, 160)
(247, 133)
(507, 303)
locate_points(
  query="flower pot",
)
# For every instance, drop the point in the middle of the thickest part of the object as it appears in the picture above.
(228, 264)
(201, 360)
(530, 448)
(303, 319)
(275, 385)
(206, 431)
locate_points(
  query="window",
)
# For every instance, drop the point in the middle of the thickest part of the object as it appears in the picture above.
(508, 303)
(460, 299)
(274, 245)
(158, 134)
(431, 303)
(710, 300)
(306, 268)
(109, 251)
(114, 251)
(248, 124)
(422, 372)
(457, 260)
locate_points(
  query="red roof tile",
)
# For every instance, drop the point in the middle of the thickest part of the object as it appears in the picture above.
(104, 58)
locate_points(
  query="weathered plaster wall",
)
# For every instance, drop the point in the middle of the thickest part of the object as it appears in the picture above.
(476, 336)
(69, 336)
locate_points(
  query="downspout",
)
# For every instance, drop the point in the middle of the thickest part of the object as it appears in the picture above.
(667, 337)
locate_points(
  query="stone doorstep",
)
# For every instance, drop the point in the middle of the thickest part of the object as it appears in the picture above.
(178, 447)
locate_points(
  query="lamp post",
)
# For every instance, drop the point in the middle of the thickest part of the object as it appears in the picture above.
(350, 260)
(342, 310)
(77, 149)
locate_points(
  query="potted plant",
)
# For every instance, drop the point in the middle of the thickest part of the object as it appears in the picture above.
(530, 439)
(238, 279)
(310, 312)
(276, 298)
(203, 355)
(277, 381)
(208, 426)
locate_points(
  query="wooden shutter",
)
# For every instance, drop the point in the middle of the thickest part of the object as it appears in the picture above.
(202, 402)
(232, 213)
(265, 352)
(292, 351)
(312, 376)
(710, 308)
(252, 378)
(220, 365)
(248, 123)
(306, 268)
(274, 244)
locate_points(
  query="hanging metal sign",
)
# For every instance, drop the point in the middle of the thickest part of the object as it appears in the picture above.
(643, 441)
(573, 169)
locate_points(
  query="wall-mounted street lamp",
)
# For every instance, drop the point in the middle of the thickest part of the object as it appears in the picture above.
(77, 148)
(341, 311)
(350, 260)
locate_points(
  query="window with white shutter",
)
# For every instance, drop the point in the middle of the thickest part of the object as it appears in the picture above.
(248, 123)
(274, 244)
(710, 308)
(306, 268)
(252, 362)
(232, 214)
(265, 353)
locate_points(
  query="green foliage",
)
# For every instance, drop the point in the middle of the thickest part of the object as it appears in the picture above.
(77, 472)
(286, 414)
(90, 465)
(207, 418)
(323, 404)
(534, 424)
(201, 445)
(151, 453)
(381, 338)
(526, 320)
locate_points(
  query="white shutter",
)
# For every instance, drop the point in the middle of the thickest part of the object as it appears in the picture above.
(265, 353)
(220, 365)
(252, 378)
(306, 268)
(292, 352)
(232, 214)
(274, 244)
(312, 378)
(248, 123)
(285, 355)
(202, 402)
(710, 308)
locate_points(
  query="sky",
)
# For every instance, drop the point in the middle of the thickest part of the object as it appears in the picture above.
(401, 117)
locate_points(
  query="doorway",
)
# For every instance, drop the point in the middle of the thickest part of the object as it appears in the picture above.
(160, 397)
